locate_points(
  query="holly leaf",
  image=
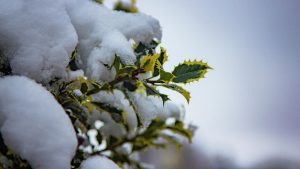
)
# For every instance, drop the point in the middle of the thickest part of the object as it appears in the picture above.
(84, 88)
(73, 64)
(130, 85)
(152, 91)
(178, 89)
(148, 62)
(163, 57)
(117, 64)
(164, 97)
(97, 88)
(116, 114)
(160, 61)
(126, 70)
(165, 76)
(189, 71)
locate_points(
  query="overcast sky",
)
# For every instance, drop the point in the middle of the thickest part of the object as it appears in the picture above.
(248, 106)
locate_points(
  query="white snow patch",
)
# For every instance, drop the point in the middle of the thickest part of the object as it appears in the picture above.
(98, 162)
(73, 75)
(37, 37)
(77, 93)
(34, 125)
(125, 149)
(144, 76)
(171, 110)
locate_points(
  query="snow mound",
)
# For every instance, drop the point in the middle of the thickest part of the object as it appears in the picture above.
(34, 125)
(103, 33)
(38, 36)
(98, 162)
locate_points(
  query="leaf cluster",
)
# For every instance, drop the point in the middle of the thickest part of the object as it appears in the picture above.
(149, 66)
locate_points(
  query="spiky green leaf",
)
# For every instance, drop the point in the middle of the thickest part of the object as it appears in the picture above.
(160, 61)
(189, 71)
(148, 62)
(127, 70)
(84, 88)
(186, 94)
(165, 76)
(150, 90)
(163, 57)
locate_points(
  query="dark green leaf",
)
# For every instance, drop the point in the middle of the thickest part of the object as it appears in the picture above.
(163, 57)
(165, 76)
(130, 85)
(189, 71)
(84, 88)
(116, 114)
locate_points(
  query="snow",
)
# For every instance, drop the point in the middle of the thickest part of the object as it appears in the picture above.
(77, 93)
(39, 36)
(144, 76)
(147, 106)
(103, 33)
(73, 75)
(117, 99)
(171, 110)
(34, 125)
(179, 138)
(98, 162)
(125, 149)
(100, 72)
(92, 134)
(110, 127)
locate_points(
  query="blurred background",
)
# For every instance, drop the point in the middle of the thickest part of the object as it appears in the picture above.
(248, 107)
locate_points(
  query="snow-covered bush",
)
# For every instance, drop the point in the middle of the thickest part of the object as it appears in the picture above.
(79, 85)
